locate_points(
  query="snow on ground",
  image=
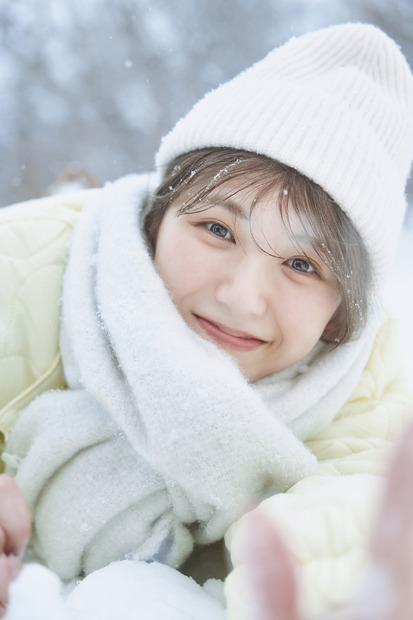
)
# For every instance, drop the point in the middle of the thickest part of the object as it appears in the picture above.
(399, 294)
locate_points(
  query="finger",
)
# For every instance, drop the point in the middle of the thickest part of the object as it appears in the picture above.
(2, 539)
(392, 541)
(271, 571)
(394, 524)
(5, 578)
(15, 519)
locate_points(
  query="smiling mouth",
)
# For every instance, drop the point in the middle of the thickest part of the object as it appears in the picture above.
(228, 338)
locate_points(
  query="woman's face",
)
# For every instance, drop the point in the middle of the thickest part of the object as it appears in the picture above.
(268, 312)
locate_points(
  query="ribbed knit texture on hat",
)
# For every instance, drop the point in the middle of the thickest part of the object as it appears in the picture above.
(337, 105)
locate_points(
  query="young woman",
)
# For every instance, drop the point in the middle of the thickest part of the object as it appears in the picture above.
(214, 317)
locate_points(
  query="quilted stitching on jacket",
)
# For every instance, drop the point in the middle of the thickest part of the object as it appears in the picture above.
(34, 241)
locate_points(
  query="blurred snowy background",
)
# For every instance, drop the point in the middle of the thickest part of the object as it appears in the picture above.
(90, 86)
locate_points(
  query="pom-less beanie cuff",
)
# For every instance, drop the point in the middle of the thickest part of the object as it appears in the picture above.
(337, 105)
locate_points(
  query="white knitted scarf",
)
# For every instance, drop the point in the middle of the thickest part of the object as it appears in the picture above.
(128, 341)
(187, 424)
(164, 385)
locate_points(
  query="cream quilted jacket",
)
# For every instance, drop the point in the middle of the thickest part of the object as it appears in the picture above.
(34, 240)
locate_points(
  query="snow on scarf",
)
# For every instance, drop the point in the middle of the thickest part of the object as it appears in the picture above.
(160, 442)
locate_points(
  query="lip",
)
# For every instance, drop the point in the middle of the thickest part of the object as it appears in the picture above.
(227, 337)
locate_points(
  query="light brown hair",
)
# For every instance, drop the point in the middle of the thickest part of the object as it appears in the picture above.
(338, 243)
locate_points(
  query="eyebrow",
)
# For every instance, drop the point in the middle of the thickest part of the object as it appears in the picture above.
(235, 208)
(307, 240)
(230, 205)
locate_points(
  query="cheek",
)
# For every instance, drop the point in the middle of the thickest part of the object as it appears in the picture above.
(324, 311)
(307, 315)
(169, 250)
(170, 262)
(178, 263)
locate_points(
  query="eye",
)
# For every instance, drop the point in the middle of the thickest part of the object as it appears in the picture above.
(301, 265)
(219, 231)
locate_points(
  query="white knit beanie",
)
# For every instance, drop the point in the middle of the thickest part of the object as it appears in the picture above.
(337, 105)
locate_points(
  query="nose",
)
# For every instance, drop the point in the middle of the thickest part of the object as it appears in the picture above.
(244, 287)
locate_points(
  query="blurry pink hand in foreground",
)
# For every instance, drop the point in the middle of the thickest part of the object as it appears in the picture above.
(271, 569)
(15, 526)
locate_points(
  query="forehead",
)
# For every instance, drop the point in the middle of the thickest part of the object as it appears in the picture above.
(244, 190)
